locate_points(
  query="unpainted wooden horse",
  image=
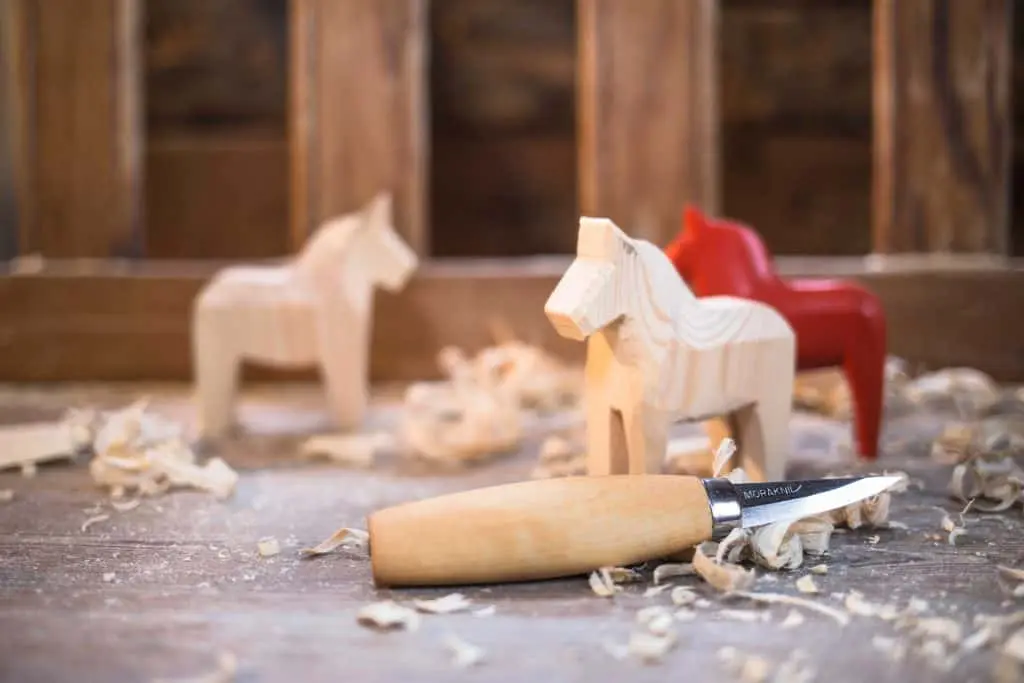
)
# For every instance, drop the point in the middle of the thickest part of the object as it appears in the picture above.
(837, 322)
(316, 309)
(657, 354)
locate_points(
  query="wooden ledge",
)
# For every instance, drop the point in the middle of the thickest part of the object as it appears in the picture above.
(109, 321)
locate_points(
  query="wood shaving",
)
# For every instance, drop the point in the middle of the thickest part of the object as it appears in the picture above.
(453, 602)
(344, 536)
(625, 575)
(819, 569)
(387, 614)
(268, 546)
(227, 669)
(649, 647)
(95, 519)
(125, 505)
(485, 611)
(990, 477)
(683, 595)
(656, 619)
(671, 570)
(857, 605)
(138, 451)
(748, 668)
(656, 590)
(954, 530)
(893, 648)
(722, 576)
(601, 583)
(777, 546)
(793, 619)
(795, 601)
(356, 450)
(805, 584)
(6, 495)
(560, 457)
(723, 454)
(871, 512)
(108, 577)
(971, 392)
(464, 655)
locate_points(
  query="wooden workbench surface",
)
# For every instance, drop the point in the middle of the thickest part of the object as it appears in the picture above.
(188, 582)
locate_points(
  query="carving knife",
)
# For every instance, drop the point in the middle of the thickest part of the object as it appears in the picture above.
(551, 528)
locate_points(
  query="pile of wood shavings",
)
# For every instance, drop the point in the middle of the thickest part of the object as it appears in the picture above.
(826, 392)
(135, 451)
(478, 411)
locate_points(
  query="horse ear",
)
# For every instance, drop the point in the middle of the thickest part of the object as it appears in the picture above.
(598, 238)
(693, 219)
(380, 209)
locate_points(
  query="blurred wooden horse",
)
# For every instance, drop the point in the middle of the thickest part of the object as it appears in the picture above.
(315, 309)
(837, 322)
(657, 354)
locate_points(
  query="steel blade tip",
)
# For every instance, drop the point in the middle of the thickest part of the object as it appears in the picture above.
(766, 503)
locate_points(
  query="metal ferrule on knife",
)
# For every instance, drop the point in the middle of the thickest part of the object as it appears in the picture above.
(726, 511)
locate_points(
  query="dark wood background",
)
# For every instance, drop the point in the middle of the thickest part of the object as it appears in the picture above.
(796, 128)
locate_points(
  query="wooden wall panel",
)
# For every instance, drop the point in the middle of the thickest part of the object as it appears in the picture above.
(943, 125)
(81, 126)
(796, 122)
(216, 115)
(648, 112)
(10, 51)
(503, 127)
(358, 106)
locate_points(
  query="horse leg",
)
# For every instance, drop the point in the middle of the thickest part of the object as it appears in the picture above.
(864, 367)
(646, 439)
(216, 373)
(606, 444)
(762, 428)
(344, 370)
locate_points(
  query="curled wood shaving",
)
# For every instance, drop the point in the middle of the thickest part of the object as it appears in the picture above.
(990, 477)
(534, 377)
(721, 575)
(955, 530)
(601, 582)
(342, 537)
(683, 595)
(356, 450)
(135, 450)
(464, 655)
(743, 615)
(268, 546)
(388, 614)
(777, 546)
(805, 584)
(795, 601)
(871, 512)
(453, 602)
(671, 570)
(95, 519)
(723, 454)
(125, 505)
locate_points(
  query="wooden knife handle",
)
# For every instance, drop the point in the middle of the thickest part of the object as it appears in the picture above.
(537, 529)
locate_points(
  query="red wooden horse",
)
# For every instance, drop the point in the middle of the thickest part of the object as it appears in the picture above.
(837, 322)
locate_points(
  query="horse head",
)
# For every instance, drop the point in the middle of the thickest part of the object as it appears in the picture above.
(390, 259)
(584, 301)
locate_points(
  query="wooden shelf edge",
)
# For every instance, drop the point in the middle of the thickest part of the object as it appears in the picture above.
(78, 321)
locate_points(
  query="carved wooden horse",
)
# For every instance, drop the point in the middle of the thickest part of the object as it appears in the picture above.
(656, 354)
(315, 309)
(837, 322)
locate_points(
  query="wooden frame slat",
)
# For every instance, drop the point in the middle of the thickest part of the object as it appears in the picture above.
(943, 125)
(358, 111)
(83, 321)
(79, 123)
(648, 112)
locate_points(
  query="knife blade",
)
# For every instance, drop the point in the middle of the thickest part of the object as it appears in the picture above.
(551, 528)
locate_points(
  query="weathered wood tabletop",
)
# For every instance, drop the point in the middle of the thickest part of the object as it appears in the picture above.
(189, 584)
